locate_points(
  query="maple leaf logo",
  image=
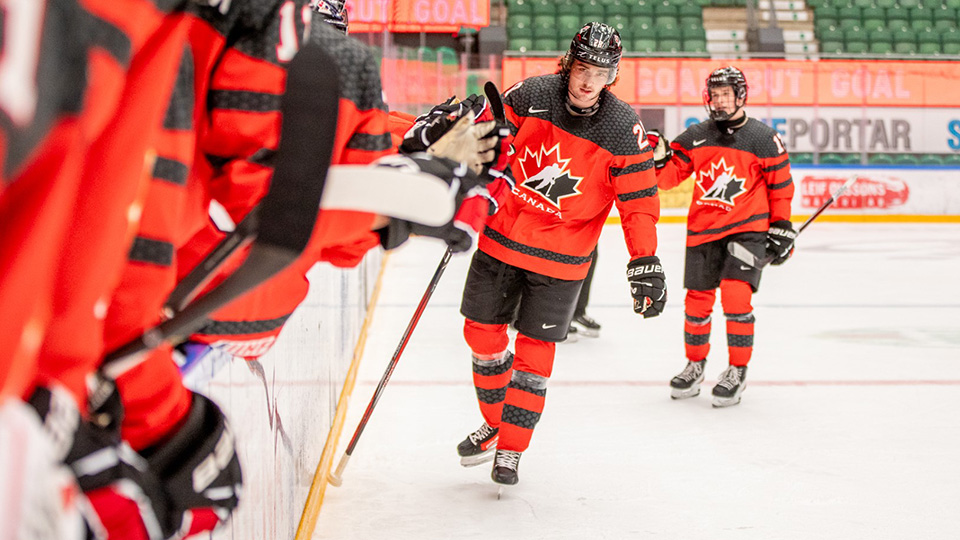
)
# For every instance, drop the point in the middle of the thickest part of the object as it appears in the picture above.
(546, 174)
(720, 183)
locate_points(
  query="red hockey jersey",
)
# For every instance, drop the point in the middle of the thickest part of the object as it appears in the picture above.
(569, 172)
(742, 182)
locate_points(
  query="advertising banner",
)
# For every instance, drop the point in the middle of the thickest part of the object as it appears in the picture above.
(875, 192)
(417, 15)
(679, 81)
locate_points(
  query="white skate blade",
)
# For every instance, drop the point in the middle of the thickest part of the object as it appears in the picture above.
(684, 393)
(587, 332)
(499, 492)
(479, 459)
(720, 402)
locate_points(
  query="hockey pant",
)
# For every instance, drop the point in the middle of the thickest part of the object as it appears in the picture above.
(735, 298)
(511, 389)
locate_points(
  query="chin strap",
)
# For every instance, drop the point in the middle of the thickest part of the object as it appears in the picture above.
(583, 111)
(730, 126)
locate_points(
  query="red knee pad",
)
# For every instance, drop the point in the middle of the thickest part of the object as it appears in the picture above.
(485, 340)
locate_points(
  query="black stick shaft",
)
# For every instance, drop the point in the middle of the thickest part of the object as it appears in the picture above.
(400, 347)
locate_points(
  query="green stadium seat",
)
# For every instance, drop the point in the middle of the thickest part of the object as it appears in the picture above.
(641, 7)
(690, 20)
(952, 4)
(665, 7)
(521, 44)
(801, 158)
(873, 12)
(850, 159)
(694, 45)
(425, 54)
(848, 24)
(921, 13)
(921, 25)
(951, 48)
(517, 7)
(832, 47)
(886, 4)
(904, 35)
(830, 158)
(929, 36)
(566, 8)
(824, 23)
(883, 35)
(874, 24)
(546, 44)
(943, 25)
(641, 45)
(592, 10)
(640, 25)
(669, 45)
(855, 34)
(880, 159)
(832, 34)
(905, 47)
(691, 10)
(568, 22)
(825, 12)
(950, 36)
(863, 4)
(909, 3)
(693, 32)
(448, 56)
(951, 159)
(668, 32)
(881, 47)
(945, 13)
(666, 20)
(931, 159)
(548, 20)
(898, 13)
(849, 12)
(617, 21)
(521, 31)
(617, 8)
(519, 19)
(817, 3)
(906, 159)
(856, 47)
(929, 49)
(544, 27)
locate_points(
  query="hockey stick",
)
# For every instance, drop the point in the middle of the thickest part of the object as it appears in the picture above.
(744, 255)
(287, 212)
(492, 94)
(336, 478)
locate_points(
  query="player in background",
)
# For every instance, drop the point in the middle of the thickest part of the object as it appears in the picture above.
(579, 150)
(742, 192)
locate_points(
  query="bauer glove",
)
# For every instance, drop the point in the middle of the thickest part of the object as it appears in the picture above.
(780, 239)
(648, 286)
(661, 148)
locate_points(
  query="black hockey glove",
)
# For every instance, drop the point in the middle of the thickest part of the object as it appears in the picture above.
(198, 469)
(647, 285)
(661, 148)
(429, 127)
(780, 239)
(113, 478)
(464, 185)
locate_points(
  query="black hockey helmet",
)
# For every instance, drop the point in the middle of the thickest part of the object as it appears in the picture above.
(597, 44)
(334, 12)
(725, 76)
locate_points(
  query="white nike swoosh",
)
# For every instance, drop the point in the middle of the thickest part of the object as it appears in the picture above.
(531, 110)
(698, 143)
(548, 326)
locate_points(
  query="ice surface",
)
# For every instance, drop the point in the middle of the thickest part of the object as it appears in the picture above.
(848, 427)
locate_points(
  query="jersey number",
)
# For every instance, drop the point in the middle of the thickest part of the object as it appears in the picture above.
(22, 30)
(288, 45)
(641, 135)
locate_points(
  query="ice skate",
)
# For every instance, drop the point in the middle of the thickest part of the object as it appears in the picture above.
(731, 384)
(572, 335)
(586, 326)
(478, 447)
(505, 467)
(687, 383)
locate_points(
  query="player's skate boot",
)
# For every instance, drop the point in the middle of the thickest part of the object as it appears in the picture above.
(687, 383)
(479, 446)
(505, 467)
(586, 326)
(731, 384)
(573, 335)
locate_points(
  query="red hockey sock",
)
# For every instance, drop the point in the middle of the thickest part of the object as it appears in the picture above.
(735, 297)
(696, 326)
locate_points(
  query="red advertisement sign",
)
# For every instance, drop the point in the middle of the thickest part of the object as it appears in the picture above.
(417, 15)
(866, 192)
(679, 81)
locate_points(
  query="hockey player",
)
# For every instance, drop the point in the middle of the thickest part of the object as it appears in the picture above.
(579, 150)
(742, 193)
